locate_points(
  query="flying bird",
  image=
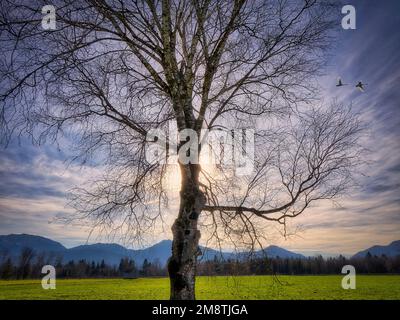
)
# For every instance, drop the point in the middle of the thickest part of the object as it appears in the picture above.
(360, 86)
(340, 83)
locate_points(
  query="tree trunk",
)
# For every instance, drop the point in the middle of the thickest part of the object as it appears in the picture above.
(185, 244)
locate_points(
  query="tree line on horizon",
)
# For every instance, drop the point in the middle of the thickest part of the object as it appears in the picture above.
(29, 265)
(370, 264)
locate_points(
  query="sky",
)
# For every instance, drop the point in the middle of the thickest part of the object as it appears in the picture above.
(35, 180)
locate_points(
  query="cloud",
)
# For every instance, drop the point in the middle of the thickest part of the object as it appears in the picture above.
(34, 183)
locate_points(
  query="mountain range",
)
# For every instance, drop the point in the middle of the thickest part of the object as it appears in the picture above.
(112, 253)
(391, 250)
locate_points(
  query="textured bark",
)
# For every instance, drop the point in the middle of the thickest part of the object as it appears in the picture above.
(185, 245)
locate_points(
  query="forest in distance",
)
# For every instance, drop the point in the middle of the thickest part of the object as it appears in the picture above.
(29, 266)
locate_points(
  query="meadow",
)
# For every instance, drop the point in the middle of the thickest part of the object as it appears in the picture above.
(216, 287)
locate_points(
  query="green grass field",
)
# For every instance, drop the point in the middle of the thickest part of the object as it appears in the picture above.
(244, 287)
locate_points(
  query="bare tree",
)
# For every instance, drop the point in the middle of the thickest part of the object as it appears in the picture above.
(25, 260)
(113, 70)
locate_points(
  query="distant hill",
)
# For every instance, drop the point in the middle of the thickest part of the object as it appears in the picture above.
(113, 253)
(270, 252)
(274, 251)
(391, 250)
(110, 253)
(13, 244)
